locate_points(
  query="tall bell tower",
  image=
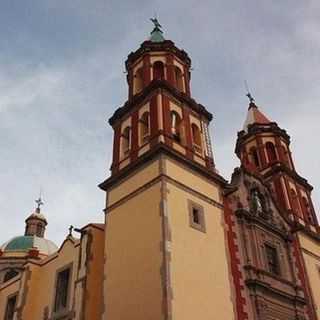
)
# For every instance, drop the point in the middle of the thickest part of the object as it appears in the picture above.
(164, 208)
(264, 148)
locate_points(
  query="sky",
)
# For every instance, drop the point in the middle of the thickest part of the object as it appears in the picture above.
(62, 76)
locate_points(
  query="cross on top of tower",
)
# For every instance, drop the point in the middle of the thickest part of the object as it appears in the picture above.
(39, 203)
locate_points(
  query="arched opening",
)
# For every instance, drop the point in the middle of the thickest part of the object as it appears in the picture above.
(295, 202)
(158, 71)
(179, 78)
(271, 151)
(144, 127)
(196, 137)
(126, 140)
(138, 81)
(176, 126)
(255, 157)
(39, 230)
(9, 275)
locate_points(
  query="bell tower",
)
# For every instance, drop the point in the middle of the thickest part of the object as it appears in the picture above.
(264, 148)
(164, 210)
(160, 111)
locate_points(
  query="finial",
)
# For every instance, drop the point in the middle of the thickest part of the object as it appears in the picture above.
(70, 230)
(156, 33)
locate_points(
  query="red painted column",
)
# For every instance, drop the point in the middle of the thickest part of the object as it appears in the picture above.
(261, 151)
(134, 135)
(146, 70)
(166, 120)
(154, 123)
(170, 70)
(186, 80)
(280, 193)
(187, 127)
(116, 148)
(231, 237)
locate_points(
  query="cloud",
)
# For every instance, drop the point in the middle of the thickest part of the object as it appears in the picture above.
(61, 77)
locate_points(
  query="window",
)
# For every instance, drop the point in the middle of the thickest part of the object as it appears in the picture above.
(196, 137)
(196, 216)
(179, 78)
(9, 275)
(126, 140)
(271, 151)
(138, 80)
(255, 157)
(11, 305)
(175, 126)
(158, 71)
(62, 288)
(144, 127)
(39, 230)
(272, 259)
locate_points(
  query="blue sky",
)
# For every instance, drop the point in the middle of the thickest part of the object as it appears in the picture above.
(62, 76)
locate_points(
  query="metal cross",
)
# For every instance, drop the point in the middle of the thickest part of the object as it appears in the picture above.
(39, 203)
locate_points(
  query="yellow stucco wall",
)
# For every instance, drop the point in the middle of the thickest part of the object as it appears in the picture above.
(199, 183)
(42, 280)
(133, 288)
(137, 180)
(311, 256)
(199, 271)
(94, 284)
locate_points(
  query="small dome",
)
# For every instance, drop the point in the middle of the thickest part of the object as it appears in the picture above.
(25, 243)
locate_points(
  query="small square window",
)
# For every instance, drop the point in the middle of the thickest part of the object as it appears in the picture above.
(196, 216)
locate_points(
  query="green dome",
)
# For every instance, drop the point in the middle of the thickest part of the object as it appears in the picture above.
(25, 243)
(19, 243)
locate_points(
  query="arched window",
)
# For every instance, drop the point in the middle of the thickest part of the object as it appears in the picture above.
(144, 127)
(179, 78)
(158, 71)
(271, 151)
(196, 137)
(176, 126)
(255, 157)
(295, 202)
(9, 275)
(39, 230)
(126, 140)
(138, 80)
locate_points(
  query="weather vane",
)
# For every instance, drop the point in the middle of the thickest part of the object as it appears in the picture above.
(157, 25)
(250, 97)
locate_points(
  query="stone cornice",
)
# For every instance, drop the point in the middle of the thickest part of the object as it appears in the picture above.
(151, 88)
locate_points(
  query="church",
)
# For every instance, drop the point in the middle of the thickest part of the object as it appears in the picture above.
(179, 241)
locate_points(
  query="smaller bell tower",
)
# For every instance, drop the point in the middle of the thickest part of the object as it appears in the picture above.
(264, 148)
(36, 222)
